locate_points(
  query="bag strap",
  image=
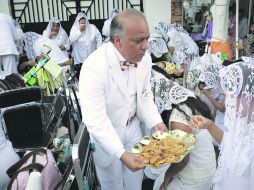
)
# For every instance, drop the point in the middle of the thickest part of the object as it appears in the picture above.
(12, 170)
(36, 166)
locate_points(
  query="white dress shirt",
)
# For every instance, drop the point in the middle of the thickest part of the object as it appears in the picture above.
(130, 77)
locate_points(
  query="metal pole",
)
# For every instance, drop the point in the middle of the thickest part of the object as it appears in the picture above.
(249, 16)
(236, 28)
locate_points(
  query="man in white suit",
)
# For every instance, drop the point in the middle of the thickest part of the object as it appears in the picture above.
(115, 98)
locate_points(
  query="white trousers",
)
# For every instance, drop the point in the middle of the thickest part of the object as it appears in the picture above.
(8, 64)
(117, 176)
(7, 158)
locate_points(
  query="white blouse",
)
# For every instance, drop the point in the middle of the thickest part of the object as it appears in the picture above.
(202, 163)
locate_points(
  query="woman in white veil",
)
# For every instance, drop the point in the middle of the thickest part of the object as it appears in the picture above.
(107, 24)
(55, 32)
(84, 38)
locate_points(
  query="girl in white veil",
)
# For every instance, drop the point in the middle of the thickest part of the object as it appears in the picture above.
(236, 163)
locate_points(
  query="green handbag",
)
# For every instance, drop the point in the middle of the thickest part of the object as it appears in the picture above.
(30, 77)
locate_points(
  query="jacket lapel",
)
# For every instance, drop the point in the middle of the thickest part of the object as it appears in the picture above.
(117, 73)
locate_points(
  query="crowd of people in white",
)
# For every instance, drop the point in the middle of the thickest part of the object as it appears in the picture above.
(177, 92)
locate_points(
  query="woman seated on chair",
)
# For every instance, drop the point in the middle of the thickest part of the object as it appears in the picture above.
(36, 46)
(57, 34)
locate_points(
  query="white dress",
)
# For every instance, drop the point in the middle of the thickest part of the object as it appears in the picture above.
(56, 55)
(199, 171)
(60, 39)
(85, 42)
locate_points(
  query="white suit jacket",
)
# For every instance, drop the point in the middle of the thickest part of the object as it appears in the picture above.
(104, 98)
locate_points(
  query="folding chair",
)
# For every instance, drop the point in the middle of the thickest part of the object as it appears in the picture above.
(55, 112)
(23, 125)
(73, 108)
(68, 178)
(20, 96)
(22, 118)
(83, 163)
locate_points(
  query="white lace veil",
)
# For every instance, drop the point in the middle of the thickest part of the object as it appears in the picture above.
(30, 38)
(157, 45)
(166, 92)
(210, 75)
(237, 81)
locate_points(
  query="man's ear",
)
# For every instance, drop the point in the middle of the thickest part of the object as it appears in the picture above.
(117, 41)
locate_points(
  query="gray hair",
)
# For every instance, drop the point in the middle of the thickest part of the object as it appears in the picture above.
(117, 27)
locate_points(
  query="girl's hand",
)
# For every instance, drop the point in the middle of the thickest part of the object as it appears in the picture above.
(200, 122)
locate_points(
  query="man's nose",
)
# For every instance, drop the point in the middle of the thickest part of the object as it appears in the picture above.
(145, 44)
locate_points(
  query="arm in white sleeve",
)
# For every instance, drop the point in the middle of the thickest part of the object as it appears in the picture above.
(98, 38)
(65, 41)
(74, 35)
(106, 28)
(93, 106)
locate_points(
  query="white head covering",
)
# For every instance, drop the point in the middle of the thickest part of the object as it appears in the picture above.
(49, 27)
(210, 76)
(113, 13)
(237, 81)
(206, 69)
(167, 92)
(76, 25)
(162, 29)
(157, 45)
(20, 37)
(30, 38)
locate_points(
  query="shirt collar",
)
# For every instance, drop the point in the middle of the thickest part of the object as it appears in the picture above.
(120, 58)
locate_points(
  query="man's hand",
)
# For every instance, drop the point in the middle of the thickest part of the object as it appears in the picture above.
(132, 161)
(160, 127)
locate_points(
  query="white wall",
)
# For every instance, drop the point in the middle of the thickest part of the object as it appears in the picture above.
(4, 7)
(157, 10)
